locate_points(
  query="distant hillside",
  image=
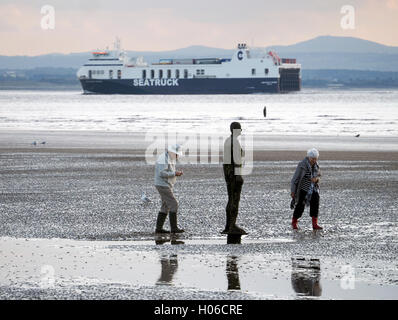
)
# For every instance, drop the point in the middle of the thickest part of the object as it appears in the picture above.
(56, 60)
(328, 52)
(331, 44)
(324, 52)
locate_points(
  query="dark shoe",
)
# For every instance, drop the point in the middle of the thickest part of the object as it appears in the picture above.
(177, 242)
(177, 230)
(236, 230)
(159, 223)
(161, 241)
(173, 223)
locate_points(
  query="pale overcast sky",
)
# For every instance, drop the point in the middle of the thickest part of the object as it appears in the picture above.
(170, 24)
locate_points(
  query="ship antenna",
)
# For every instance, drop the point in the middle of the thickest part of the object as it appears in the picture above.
(117, 44)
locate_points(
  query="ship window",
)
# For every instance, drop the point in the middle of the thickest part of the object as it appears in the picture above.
(110, 74)
(119, 74)
(160, 74)
(253, 72)
(177, 74)
(143, 74)
(266, 70)
(168, 74)
(185, 73)
(198, 72)
(152, 74)
(89, 74)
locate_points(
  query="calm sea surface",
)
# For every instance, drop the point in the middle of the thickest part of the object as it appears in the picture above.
(318, 112)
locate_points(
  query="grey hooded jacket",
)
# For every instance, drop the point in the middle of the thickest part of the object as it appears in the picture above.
(165, 171)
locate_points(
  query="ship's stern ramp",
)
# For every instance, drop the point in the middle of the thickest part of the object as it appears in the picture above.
(289, 78)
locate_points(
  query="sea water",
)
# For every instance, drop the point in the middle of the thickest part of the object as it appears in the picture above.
(371, 112)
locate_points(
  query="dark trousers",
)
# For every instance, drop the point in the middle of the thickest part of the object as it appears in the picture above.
(234, 188)
(314, 205)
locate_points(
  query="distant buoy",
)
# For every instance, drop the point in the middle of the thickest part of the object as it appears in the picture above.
(265, 112)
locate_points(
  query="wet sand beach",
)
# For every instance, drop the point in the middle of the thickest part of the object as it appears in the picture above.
(73, 224)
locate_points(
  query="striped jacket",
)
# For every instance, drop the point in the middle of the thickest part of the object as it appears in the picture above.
(302, 167)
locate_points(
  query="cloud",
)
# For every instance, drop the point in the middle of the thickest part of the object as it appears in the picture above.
(392, 4)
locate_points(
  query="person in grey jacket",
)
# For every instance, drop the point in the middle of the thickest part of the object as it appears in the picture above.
(304, 188)
(165, 178)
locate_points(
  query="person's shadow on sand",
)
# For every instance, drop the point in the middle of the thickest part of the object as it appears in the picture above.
(306, 277)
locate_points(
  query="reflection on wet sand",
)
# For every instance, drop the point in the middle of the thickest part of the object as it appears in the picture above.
(232, 273)
(169, 267)
(306, 277)
(173, 239)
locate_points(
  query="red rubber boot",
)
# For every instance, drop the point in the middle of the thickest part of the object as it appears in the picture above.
(294, 223)
(315, 224)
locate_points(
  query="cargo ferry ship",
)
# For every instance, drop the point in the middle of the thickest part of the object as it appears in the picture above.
(246, 72)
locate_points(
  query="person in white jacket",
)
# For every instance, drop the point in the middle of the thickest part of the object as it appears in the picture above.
(165, 178)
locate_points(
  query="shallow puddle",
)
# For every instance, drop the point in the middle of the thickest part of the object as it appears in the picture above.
(62, 264)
